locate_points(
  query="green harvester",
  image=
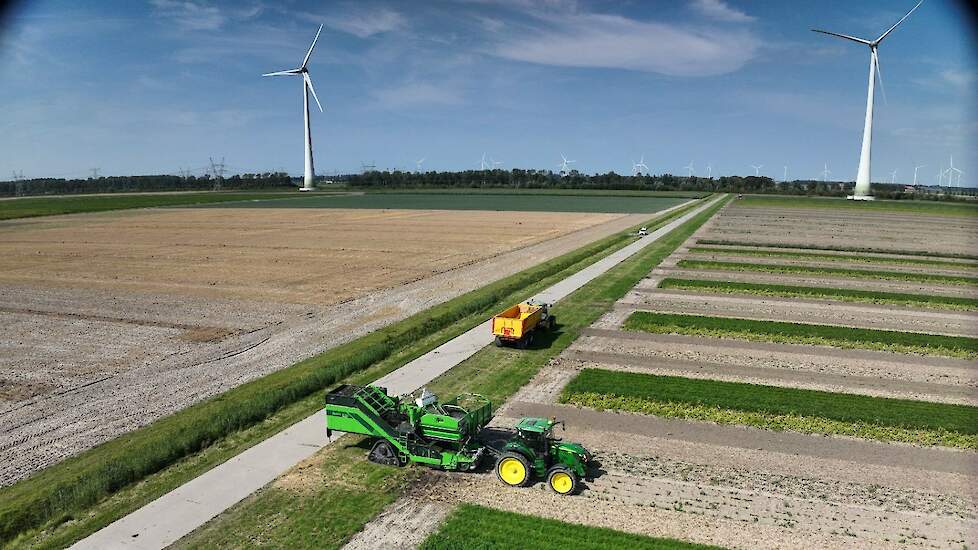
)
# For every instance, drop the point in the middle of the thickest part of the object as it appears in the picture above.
(447, 436)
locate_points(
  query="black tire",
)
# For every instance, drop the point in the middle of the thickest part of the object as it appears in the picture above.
(501, 476)
(562, 480)
(551, 323)
(523, 342)
(499, 342)
(384, 453)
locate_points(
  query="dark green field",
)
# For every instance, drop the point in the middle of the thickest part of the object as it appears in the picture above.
(881, 411)
(525, 202)
(484, 528)
(49, 206)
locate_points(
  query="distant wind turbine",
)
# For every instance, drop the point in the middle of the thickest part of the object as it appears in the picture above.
(419, 162)
(757, 169)
(303, 70)
(564, 164)
(893, 176)
(862, 190)
(950, 176)
(709, 170)
(785, 173)
(689, 167)
(915, 168)
(638, 166)
(484, 164)
(826, 172)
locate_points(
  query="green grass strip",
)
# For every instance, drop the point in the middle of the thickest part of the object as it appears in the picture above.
(845, 272)
(49, 206)
(834, 248)
(775, 407)
(830, 257)
(842, 294)
(470, 526)
(494, 372)
(801, 333)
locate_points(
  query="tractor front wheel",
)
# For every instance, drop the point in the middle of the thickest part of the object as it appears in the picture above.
(562, 480)
(513, 469)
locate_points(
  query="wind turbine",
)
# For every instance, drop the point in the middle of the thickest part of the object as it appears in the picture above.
(950, 176)
(757, 169)
(419, 162)
(484, 164)
(689, 167)
(785, 179)
(893, 177)
(709, 170)
(862, 191)
(310, 173)
(564, 163)
(637, 166)
(826, 172)
(915, 168)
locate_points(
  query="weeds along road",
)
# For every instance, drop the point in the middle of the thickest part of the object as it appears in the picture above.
(179, 512)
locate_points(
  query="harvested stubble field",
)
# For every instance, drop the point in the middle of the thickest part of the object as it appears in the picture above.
(116, 319)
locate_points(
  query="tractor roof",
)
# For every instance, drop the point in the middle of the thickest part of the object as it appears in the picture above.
(536, 425)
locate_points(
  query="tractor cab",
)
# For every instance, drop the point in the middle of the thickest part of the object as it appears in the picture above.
(535, 451)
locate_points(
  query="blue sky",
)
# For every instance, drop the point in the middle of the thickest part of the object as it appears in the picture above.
(153, 87)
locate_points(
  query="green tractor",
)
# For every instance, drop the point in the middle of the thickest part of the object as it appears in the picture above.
(446, 435)
(534, 451)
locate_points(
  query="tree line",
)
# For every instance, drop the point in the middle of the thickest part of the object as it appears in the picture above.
(122, 184)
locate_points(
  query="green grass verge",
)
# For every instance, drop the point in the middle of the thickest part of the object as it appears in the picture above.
(841, 294)
(525, 202)
(71, 500)
(830, 257)
(495, 372)
(49, 206)
(471, 526)
(778, 408)
(942, 208)
(833, 248)
(801, 333)
(841, 271)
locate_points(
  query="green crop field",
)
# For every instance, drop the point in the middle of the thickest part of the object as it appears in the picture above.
(48, 206)
(801, 333)
(815, 256)
(512, 201)
(776, 407)
(471, 526)
(839, 271)
(833, 248)
(841, 294)
(832, 203)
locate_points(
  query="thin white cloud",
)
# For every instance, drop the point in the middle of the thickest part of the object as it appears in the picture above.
(959, 78)
(612, 41)
(720, 10)
(413, 94)
(190, 15)
(366, 23)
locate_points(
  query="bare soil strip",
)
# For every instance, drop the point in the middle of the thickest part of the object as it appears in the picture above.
(804, 311)
(843, 383)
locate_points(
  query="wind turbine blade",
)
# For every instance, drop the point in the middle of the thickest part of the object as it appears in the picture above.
(879, 76)
(309, 53)
(308, 80)
(889, 30)
(283, 73)
(846, 36)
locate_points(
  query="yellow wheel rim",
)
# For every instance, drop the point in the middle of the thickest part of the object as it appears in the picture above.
(561, 482)
(512, 471)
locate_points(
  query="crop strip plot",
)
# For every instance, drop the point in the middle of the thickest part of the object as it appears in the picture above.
(839, 257)
(759, 244)
(841, 294)
(829, 271)
(777, 408)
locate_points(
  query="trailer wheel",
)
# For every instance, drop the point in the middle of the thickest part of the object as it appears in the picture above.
(552, 323)
(513, 469)
(499, 342)
(384, 453)
(523, 342)
(562, 480)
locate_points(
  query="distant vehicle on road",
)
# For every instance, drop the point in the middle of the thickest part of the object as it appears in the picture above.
(643, 232)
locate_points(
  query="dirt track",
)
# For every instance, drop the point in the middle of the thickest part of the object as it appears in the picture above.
(86, 361)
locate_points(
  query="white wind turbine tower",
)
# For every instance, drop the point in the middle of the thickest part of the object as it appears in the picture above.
(564, 163)
(915, 168)
(484, 164)
(302, 70)
(757, 169)
(419, 162)
(950, 176)
(785, 179)
(826, 172)
(709, 170)
(689, 168)
(638, 166)
(862, 191)
(893, 176)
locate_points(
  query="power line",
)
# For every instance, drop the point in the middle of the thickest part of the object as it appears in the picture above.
(218, 169)
(94, 172)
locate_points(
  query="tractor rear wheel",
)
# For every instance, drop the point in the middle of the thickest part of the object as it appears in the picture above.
(513, 469)
(384, 453)
(562, 480)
